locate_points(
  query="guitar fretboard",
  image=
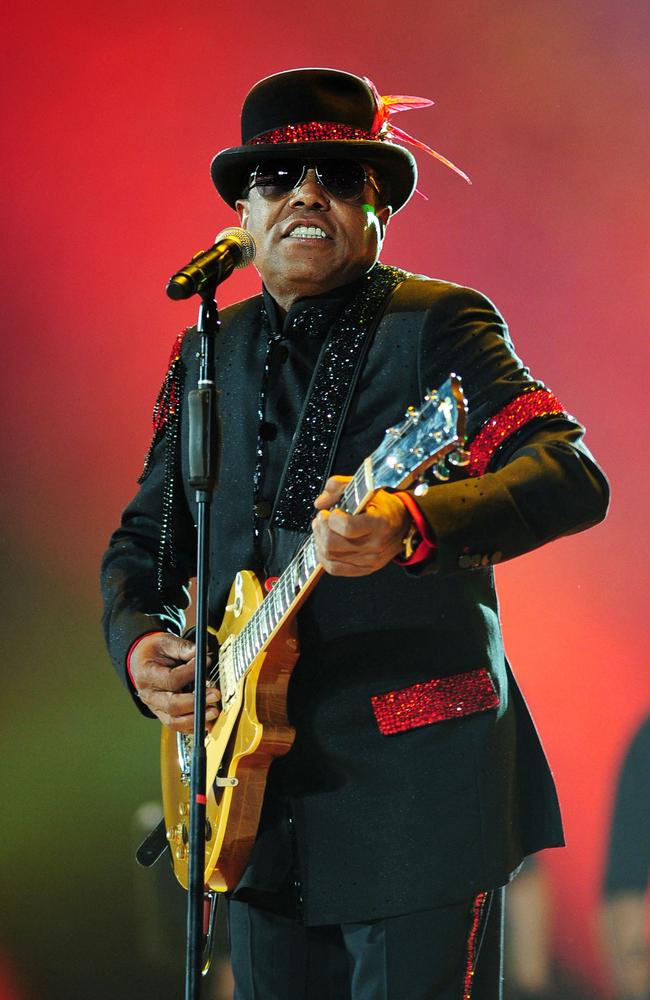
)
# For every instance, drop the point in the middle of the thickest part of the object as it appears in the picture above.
(249, 643)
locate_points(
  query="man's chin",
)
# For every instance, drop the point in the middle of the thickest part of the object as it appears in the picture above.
(315, 271)
(302, 276)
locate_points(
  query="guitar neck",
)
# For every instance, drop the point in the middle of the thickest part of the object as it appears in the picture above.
(293, 586)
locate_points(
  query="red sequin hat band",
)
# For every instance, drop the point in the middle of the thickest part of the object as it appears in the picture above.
(313, 132)
(385, 131)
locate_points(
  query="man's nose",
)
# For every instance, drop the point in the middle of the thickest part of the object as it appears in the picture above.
(309, 193)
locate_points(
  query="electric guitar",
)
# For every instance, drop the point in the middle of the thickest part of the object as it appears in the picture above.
(258, 649)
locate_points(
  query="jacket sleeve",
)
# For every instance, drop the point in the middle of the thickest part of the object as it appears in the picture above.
(530, 477)
(142, 590)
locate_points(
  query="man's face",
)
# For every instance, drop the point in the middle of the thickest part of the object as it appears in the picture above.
(308, 241)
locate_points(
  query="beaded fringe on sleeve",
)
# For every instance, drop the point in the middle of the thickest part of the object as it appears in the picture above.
(166, 424)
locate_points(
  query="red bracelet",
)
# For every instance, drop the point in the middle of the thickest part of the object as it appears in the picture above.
(427, 545)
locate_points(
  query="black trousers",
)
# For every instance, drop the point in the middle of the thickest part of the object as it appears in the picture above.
(448, 953)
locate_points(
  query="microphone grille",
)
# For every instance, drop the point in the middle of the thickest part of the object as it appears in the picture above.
(243, 239)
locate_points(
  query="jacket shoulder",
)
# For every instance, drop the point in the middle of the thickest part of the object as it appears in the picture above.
(444, 297)
(242, 312)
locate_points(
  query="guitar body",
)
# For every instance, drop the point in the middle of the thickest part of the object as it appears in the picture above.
(251, 731)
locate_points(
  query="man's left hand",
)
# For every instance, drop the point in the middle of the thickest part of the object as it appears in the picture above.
(358, 544)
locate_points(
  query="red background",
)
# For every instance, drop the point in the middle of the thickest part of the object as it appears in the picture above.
(113, 112)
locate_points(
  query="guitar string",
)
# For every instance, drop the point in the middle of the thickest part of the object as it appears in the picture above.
(290, 584)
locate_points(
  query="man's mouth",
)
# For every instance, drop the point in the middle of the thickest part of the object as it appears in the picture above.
(307, 233)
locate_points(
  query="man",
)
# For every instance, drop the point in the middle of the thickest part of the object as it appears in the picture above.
(416, 783)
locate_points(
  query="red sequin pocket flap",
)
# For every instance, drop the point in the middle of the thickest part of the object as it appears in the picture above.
(436, 700)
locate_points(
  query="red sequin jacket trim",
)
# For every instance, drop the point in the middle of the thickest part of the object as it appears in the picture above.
(472, 940)
(436, 700)
(167, 402)
(512, 417)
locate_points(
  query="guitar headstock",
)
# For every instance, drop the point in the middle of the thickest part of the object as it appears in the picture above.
(424, 438)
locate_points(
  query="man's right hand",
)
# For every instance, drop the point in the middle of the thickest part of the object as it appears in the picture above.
(161, 666)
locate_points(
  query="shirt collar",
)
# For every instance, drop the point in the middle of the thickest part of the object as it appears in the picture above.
(309, 316)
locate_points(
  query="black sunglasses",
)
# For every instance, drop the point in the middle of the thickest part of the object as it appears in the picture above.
(344, 179)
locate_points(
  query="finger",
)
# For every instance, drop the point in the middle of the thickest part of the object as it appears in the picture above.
(352, 556)
(185, 723)
(332, 492)
(163, 648)
(160, 677)
(175, 647)
(366, 556)
(178, 706)
(342, 550)
(340, 567)
(350, 526)
(160, 673)
(174, 706)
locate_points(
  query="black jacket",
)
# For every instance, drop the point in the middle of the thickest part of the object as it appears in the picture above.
(387, 824)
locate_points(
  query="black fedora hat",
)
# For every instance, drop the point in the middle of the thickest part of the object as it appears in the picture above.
(314, 113)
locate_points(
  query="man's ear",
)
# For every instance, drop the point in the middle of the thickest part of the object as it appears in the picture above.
(383, 216)
(242, 211)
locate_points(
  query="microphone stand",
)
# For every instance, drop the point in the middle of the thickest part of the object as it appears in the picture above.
(203, 442)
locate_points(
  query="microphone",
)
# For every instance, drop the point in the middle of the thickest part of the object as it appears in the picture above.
(233, 247)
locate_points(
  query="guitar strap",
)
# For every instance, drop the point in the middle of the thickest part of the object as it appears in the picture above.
(328, 400)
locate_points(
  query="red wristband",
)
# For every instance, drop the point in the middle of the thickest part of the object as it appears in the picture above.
(427, 545)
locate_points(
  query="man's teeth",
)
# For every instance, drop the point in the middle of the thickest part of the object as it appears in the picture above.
(308, 232)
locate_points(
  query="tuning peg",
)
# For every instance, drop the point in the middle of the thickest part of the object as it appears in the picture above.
(412, 414)
(441, 472)
(431, 395)
(422, 488)
(459, 456)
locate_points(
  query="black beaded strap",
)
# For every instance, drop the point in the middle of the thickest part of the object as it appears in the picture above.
(328, 399)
